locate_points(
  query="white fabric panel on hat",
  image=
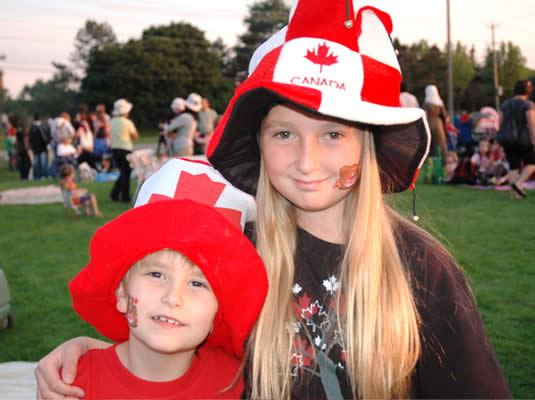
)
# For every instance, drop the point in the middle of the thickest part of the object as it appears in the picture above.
(374, 41)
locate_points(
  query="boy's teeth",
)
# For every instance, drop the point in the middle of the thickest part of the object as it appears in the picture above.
(169, 321)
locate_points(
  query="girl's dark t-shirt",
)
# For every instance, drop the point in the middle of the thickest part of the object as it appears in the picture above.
(457, 360)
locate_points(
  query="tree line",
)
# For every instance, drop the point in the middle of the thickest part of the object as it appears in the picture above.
(177, 59)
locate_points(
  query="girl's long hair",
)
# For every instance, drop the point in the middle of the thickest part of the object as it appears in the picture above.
(379, 324)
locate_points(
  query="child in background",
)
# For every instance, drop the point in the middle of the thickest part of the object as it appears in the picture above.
(451, 164)
(483, 162)
(78, 196)
(179, 295)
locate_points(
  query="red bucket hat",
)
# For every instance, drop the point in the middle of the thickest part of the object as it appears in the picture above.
(198, 231)
(334, 60)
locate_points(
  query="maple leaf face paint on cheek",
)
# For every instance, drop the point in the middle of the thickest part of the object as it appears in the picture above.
(131, 311)
(349, 175)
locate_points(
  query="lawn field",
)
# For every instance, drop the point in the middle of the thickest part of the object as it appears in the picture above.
(491, 236)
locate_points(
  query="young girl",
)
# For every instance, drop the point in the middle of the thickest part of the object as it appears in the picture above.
(78, 196)
(452, 159)
(482, 160)
(361, 303)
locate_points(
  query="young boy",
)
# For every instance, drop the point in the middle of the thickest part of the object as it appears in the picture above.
(78, 196)
(178, 286)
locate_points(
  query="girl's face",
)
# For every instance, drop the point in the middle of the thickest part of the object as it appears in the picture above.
(303, 154)
(484, 147)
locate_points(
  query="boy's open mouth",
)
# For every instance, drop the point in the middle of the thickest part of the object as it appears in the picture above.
(167, 320)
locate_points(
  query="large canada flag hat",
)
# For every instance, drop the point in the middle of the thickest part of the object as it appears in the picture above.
(332, 59)
(190, 208)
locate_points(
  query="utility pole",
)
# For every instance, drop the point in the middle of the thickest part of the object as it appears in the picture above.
(450, 65)
(497, 88)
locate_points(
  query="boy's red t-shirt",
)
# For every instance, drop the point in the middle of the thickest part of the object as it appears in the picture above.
(102, 376)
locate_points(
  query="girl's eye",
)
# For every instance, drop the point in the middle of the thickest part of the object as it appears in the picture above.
(334, 135)
(283, 134)
(155, 274)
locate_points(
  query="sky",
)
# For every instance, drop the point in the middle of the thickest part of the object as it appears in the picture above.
(33, 33)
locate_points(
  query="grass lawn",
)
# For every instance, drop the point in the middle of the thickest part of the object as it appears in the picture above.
(491, 236)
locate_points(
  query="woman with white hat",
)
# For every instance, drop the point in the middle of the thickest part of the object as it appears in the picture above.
(361, 302)
(184, 125)
(437, 116)
(122, 134)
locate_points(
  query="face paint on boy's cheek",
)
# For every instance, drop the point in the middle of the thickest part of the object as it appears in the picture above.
(349, 175)
(131, 311)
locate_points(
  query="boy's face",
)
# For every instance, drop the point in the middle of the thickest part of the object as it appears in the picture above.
(168, 302)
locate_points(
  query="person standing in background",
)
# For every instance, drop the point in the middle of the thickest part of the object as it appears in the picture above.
(207, 123)
(39, 139)
(437, 117)
(22, 148)
(517, 119)
(185, 125)
(122, 132)
(407, 99)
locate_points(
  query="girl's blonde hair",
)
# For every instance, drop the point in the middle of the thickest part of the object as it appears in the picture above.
(380, 329)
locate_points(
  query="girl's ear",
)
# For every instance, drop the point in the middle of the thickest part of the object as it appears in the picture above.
(122, 297)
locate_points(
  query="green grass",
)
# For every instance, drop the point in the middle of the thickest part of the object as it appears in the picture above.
(491, 236)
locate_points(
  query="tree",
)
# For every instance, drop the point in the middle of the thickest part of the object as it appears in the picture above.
(511, 67)
(167, 62)
(50, 98)
(422, 65)
(265, 18)
(93, 36)
(464, 72)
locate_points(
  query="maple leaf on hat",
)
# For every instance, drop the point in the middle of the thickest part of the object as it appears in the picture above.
(321, 56)
(202, 189)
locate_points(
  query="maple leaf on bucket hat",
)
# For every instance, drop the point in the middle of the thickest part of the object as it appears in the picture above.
(358, 80)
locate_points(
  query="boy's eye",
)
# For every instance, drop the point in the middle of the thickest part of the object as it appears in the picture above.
(198, 284)
(155, 274)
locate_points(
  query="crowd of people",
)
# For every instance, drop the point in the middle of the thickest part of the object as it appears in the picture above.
(188, 127)
(474, 148)
(39, 151)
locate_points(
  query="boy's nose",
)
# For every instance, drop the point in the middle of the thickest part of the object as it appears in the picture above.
(174, 296)
(308, 156)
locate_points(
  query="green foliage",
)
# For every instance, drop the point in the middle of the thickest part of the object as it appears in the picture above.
(463, 72)
(264, 19)
(422, 65)
(168, 61)
(92, 36)
(54, 96)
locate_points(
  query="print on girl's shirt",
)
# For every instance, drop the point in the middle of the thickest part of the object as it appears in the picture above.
(326, 346)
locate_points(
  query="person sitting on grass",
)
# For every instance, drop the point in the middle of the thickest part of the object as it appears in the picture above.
(78, 196)
(178, 296)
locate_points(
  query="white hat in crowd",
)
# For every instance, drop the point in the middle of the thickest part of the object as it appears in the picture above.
(194, 102)
(121, 107)
(178, 105)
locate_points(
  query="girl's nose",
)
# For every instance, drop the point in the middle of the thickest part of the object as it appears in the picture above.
(308, 157)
